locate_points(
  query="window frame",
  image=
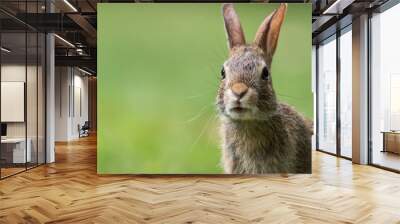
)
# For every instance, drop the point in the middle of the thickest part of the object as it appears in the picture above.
(334, 37)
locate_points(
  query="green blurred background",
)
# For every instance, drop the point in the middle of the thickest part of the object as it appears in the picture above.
(158, 73)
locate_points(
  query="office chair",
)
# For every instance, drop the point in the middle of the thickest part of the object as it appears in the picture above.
(84, 130)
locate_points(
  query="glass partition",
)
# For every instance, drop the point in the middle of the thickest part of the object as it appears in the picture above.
(385, 89)
(327, 96)
(346, 93)
(32, 95)
(14, 153)
(22, 91)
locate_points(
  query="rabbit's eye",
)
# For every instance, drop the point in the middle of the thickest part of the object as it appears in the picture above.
(265, 73)
(223, 73)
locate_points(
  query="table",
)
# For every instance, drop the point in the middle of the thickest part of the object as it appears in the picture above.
(17, 150)
(391, 141)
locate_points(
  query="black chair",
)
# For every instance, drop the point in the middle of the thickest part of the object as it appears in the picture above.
(84, 130)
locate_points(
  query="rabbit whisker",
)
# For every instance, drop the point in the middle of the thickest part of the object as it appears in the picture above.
(205, 127)
(198, 115)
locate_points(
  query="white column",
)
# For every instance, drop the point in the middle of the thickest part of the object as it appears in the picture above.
(50, 99)
(360, 90)
(50, 92)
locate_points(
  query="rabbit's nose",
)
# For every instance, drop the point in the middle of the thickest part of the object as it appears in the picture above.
(239, 89)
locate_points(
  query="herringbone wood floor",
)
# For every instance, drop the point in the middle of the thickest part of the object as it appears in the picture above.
(70, 191)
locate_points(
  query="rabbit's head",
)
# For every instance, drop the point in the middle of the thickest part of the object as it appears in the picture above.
(246, 91)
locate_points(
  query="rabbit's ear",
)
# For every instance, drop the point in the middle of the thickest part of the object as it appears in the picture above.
(268, 32)
(232, 26)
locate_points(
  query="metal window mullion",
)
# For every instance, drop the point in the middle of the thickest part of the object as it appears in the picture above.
(317, 96)
(69, 92)
(0, 94)
(45, 95)
(26, 86)
(37, 91)
(73, 92)
(369, 90)
(338, 73)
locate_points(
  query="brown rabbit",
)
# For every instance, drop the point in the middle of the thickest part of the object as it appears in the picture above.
(260, 135)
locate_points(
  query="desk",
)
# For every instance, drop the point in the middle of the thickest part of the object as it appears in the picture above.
(391, 141)
(17, 150)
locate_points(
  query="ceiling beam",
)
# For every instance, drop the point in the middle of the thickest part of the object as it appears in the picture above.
(82, 61)
(48, 22)
(86, 26)
(338, 6)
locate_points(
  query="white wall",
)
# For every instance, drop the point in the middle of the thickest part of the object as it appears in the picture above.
(14, 72)
(71, 93)
(13, 101)
(62, 81)
(79, 117)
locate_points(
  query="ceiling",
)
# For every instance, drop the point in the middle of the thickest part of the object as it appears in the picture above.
(75, 23)
(329, 16)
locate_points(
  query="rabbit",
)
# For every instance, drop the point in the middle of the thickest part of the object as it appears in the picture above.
(259, 134)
